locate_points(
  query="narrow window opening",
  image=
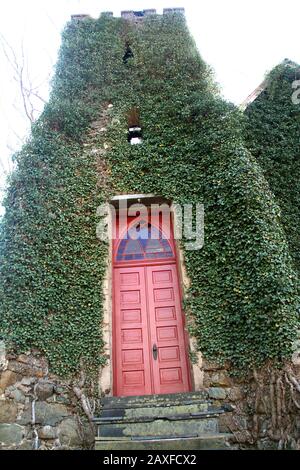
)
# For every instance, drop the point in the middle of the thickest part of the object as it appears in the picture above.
(134, 135)
(139, 14)
(128, 53)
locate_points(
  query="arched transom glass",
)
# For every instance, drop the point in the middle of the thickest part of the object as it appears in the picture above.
(143, 241)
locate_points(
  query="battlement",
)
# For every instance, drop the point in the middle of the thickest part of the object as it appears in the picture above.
(131, 14)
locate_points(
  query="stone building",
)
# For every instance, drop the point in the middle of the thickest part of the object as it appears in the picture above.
(148, 288)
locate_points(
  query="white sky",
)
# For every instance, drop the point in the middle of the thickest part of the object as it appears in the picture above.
(240, 39)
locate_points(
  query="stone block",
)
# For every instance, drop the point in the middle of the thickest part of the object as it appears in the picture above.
(8, 378)
(60, 389)
(8, 412)
(47, 432)
(25, 369)
(235, 394)
(68, 433)
(45, 413)
(127, 14)
(217, 393)
(179, 10)
(167, 11)
(64, 399)
(33, 361)
(17, 395)
(216, 379)
(11, 434)
(44, 390)
(150, 11)
(267, 444)
(27, 381)
(26, 444)
(232, 422)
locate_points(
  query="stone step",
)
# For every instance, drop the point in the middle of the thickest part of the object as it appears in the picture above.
(181, 442)
(173, 421)
(155, 410)
(185, 425)
(142, 401)
(172, 414)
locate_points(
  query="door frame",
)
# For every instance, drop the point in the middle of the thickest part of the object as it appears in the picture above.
(145, 263)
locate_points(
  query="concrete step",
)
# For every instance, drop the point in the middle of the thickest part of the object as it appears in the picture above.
(183, 442)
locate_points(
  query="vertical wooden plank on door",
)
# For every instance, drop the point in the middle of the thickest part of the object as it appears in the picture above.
(170, 369)
(131, 346)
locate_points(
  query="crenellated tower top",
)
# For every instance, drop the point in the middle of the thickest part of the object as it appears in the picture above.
(132, 15)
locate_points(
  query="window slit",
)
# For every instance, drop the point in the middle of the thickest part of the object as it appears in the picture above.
(134, 135)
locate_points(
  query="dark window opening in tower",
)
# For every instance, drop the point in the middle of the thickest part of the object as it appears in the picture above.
(138, 13)
(128, 54)
(134, 135)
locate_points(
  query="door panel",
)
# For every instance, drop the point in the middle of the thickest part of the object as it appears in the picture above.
(170, 368)
(131, 345)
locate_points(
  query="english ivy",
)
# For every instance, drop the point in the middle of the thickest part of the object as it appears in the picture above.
(243, 294)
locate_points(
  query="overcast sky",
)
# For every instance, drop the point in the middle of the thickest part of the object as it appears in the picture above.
(240, 39)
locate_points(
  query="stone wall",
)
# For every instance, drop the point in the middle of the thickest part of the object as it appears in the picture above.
(37, 410)
(40, 411)
(264, 407)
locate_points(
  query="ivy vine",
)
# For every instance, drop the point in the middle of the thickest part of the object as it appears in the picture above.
(243, 295)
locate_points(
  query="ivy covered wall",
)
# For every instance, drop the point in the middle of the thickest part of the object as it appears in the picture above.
(243, 295)
(273, 137)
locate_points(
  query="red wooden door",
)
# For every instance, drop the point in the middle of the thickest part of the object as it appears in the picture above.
(170, 367)
(150, 352)
(131, 345)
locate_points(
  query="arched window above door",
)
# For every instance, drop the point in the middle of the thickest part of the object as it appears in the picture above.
(143, 241)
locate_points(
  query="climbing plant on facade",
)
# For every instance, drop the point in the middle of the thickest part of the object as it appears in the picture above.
(272, 131)
(243, 294)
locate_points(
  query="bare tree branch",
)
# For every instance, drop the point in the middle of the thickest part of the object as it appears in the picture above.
(29, 99)
(20, 74)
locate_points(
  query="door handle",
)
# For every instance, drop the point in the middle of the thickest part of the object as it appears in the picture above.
(155, 351)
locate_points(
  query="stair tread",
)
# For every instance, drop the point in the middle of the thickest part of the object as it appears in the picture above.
(181, 442)
(152, 410)
(137, 399)
(158, 400)
(113, 406)
(166, 437)
(175, 417)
